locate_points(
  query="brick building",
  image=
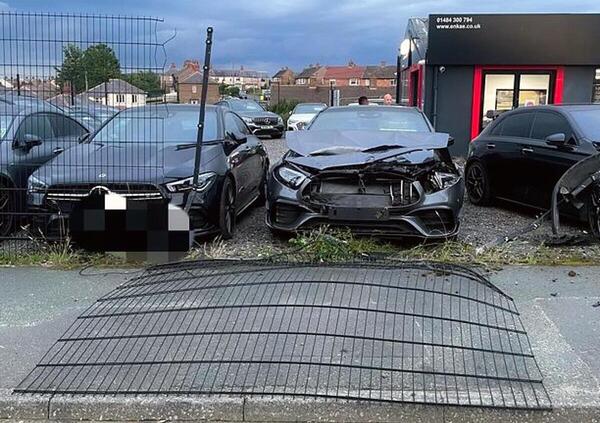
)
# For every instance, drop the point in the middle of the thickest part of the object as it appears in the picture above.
(190, 89)
(381, 76)
(350, 75)
(285, 76)
(311, 76)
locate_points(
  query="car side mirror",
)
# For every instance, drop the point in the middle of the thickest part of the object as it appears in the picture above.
(556, 140)
(236, 138)
(28, 142)
(491, 114)
(450, 141)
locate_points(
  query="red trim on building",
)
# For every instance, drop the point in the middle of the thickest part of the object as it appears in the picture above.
(418, 69)
(559, 84)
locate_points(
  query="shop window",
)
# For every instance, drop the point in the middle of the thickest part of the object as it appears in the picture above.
(596, 89)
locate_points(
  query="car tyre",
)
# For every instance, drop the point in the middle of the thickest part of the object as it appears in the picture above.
(477, 182)
(7, 204)
(227, 213)
(594, 211)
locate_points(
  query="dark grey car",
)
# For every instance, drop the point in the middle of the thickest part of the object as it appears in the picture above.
(148, 153)
(31, 134)
(260, 121)
(376, 170)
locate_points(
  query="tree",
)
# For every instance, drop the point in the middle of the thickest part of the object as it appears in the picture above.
(72, 70)
(146, 81)
(100, 64)
(86, 69)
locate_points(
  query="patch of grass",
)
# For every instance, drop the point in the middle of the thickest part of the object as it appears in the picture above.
(325, 244)
(60, 255)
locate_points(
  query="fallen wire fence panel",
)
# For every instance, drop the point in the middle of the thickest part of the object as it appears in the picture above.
(418, 333)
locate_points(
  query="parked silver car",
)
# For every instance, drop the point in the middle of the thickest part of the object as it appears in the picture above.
(302, 114)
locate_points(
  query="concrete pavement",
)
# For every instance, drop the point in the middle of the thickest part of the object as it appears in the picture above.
(37, 305)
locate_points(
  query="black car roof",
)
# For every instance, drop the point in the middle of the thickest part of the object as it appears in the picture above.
(558, 107)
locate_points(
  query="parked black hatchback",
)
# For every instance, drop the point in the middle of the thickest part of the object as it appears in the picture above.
(31, 134)
(259, 120)
(148, 154)
(522, 154)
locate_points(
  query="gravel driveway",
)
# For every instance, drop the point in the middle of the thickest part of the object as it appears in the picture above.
(480, 225)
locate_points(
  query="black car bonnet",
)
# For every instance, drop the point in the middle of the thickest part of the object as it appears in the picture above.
(331, 148)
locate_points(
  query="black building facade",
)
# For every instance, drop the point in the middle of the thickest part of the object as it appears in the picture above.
(462, 70)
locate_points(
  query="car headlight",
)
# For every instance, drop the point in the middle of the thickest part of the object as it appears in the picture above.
(247, 119)
(443, 180)
(205, 181)
(290, 177)
(35, 184)
(279, 120)
(291, 121)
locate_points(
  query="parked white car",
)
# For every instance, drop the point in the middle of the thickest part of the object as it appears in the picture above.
(302, 114)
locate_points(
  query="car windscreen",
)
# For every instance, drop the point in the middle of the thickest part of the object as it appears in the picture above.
(246, 106)
(589, 122)
(380, 119)
(309, 108)
(5, 121)
(168, 126)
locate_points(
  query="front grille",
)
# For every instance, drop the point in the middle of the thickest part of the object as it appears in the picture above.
(364, 192)
(76, 192)
(438, 221)
(286, 214)
(265, 120)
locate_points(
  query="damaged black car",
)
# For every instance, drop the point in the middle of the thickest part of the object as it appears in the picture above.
(379, 171)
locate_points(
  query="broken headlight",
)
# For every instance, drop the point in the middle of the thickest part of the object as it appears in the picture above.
(290, 177)
(205, 180)
(443, 180)
(35, 184)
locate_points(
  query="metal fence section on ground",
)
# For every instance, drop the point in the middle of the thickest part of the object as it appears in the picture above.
(62, 77)
(399, 332)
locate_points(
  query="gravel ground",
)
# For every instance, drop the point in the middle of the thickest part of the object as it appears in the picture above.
(480, 226)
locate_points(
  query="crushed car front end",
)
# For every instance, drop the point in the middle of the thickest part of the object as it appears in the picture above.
(415, 194)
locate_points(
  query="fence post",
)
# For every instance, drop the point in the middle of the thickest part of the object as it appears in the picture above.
(18, 84)
(200, 134)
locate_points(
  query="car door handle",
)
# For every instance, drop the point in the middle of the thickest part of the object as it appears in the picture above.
(526, 150)
(491, 146)
(58, 150)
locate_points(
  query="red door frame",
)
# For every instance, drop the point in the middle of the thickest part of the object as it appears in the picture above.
(559, 84)
(418, 69)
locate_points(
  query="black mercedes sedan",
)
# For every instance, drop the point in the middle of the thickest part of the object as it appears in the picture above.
(147, 154)
(261, 122)
(31, 134)
(522, 154)
(377, 170)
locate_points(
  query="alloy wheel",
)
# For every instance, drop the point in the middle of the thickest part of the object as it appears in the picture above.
(229, 209)
(475, 183)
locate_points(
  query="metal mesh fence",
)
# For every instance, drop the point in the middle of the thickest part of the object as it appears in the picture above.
(62, 77)
(403, 332)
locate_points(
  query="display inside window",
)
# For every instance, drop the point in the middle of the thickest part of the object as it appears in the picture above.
(529, 98)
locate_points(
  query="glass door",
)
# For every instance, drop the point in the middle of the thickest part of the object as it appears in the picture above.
(507, 90)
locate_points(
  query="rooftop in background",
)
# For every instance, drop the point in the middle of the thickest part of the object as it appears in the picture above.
(113, 86)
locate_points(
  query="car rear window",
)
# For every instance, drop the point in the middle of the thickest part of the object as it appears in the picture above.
(517, 125)
(589, 122)
(146, 126)
(546, 124)
(379, 119)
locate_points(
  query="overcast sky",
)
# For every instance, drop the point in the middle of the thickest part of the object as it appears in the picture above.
(268, 34)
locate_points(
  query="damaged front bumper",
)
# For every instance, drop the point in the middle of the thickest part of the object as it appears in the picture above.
(404, 210)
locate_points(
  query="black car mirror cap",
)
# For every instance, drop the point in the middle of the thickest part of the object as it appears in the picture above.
(557, 139)
(450, 141)
(235, 138)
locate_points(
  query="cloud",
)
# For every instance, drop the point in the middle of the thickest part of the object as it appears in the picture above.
(267, 34)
